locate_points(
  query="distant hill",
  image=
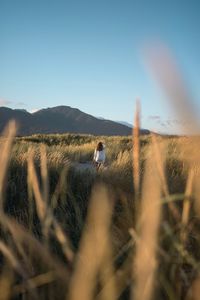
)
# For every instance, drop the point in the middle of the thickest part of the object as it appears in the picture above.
(125, 123)
(120, 122)
(61, 119)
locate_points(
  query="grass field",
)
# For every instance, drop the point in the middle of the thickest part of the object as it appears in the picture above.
(130, 231)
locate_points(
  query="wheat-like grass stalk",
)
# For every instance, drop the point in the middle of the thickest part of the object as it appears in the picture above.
(44, 173)
(107, 278)
(40, 204)
(169, 78)
(36, 248)
(194, 291)
(45, 214)
(35, 282)
(5, 150)
(145, 262)
(187, 203)
(12, 259)
(159, 159)
(136, 151)
(93, 246)
(6, 283)
(16, 265)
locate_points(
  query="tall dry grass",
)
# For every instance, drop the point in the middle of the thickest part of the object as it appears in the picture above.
(118, 257)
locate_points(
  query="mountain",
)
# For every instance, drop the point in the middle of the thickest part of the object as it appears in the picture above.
(60, 119)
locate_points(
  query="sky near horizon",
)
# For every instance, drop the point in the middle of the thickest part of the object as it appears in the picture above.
(88, 55)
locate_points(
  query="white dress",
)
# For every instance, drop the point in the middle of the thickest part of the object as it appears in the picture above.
(99, 156)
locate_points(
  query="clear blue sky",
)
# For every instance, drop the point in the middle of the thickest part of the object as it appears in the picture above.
(87, 54)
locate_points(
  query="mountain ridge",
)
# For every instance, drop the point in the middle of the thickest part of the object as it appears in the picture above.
(61, 119)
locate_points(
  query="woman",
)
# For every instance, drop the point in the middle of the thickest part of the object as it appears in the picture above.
(99, 155)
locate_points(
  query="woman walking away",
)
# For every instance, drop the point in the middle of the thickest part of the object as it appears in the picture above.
(99, 155)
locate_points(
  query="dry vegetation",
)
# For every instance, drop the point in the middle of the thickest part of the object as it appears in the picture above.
(68, 233)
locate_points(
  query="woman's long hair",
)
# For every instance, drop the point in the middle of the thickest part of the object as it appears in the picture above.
(99, 146)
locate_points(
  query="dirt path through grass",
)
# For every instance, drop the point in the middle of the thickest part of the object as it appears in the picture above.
(85, 166)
